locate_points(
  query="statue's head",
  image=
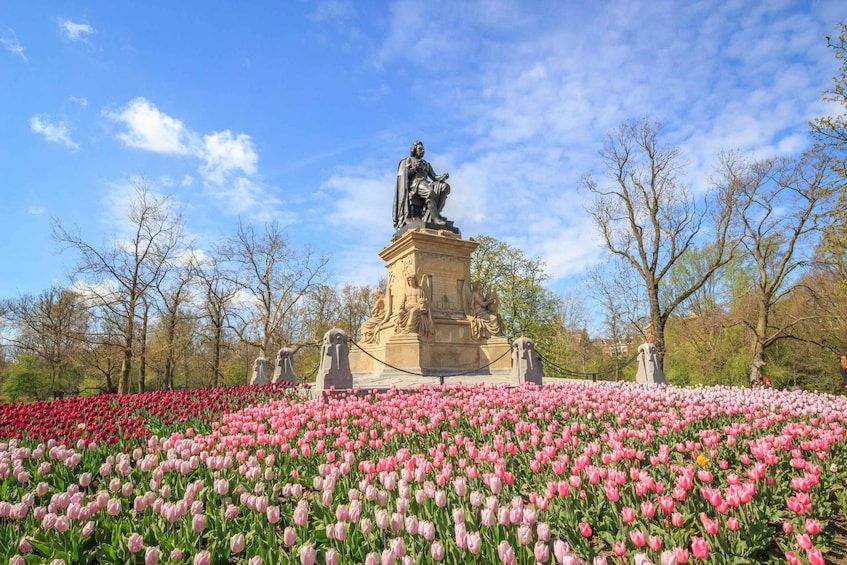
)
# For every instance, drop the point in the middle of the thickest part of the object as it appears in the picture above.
(417, 149)
(377, 293)
(412, 280)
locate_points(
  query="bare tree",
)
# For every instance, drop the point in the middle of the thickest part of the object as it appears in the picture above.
(649, 220)
(781, 229)
(275, 278)
(119, 274)
(354, 308)
(52, 327)
(219, 291)
(174, 294)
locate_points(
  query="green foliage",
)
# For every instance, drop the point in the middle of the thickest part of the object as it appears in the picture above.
(527, 307)
(26, 380)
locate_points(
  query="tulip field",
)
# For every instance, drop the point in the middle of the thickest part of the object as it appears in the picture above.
(568, 473)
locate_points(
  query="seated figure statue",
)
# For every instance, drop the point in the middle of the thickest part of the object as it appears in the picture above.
(414, 315)
(370, 327)
(482, 312)
(418, 183)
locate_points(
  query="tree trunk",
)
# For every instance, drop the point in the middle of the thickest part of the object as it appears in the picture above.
(142, 358)
(216, 359)
(757, 360)
(657, 322)
(170, 359)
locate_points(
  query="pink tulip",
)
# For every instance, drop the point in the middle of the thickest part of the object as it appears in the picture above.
(236, 543)
(202, 558)
(585, 529)
(813, 527)
(198, 523)
(681, 554)
(135, 543)
(289, 536)
(176, 554)
(308, 555)
(668, 558)
(711, 526)
(637, 537)
(436, 551)
(627, 514)
(273, 514)
(542, 530)
(733, 524)
(654, 543)
(541, 552)
(17, 560)
(560, 548)
(301, 513)
(787, 528)
(803, 540)
(815, 557)
(398, 548)
(151, 555)
(699, 547)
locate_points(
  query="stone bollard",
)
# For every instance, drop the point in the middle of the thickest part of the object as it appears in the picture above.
(526, 363)
(649, 371)
(260, 372)
(284, 369)
(334, 369)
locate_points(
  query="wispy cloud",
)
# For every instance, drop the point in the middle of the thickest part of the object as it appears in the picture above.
(35, 210)
(82, 101)
(76, 31)
(9, 40)
(54, 132)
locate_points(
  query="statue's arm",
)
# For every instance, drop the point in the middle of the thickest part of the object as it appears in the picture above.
(430, 172)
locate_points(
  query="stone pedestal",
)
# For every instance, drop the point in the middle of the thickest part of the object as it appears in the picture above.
(649, 371)
(440, 260)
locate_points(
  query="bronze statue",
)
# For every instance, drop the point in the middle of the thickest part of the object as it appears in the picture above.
(420, 193)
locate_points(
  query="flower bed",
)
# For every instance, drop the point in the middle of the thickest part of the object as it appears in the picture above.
(112, 418)
(564, 474)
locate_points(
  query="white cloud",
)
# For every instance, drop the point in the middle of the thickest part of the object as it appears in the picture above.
(54, 132)
(9, 40)
(228, 161)
(225, 153)
(152, 130)
(76, 31)
(82, 101)
(35, 210)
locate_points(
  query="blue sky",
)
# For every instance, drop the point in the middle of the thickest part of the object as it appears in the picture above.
(299, 111)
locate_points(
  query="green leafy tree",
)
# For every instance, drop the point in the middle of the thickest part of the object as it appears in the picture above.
(26, 380)
(527, 307)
